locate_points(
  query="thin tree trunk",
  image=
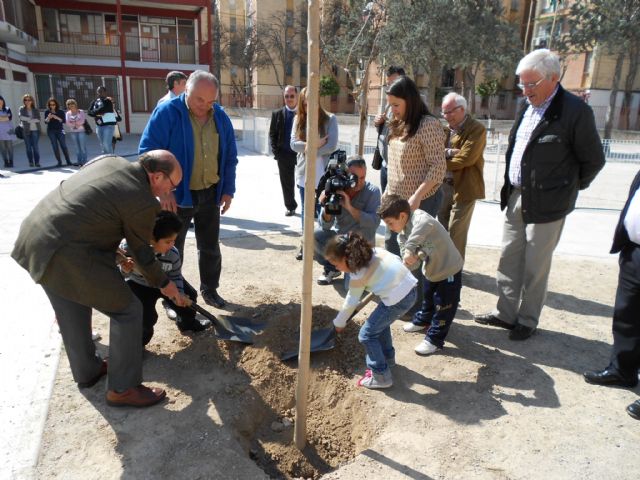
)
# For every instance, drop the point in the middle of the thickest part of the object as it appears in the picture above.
(625, 109)
(364, 107)
(615, 87)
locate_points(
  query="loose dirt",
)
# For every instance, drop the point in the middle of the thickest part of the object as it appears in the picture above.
(484, 407)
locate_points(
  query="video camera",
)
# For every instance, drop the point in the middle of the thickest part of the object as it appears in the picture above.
(336, 178)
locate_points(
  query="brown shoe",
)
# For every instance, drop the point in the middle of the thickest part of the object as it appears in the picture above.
(139, 396)
(94, 380)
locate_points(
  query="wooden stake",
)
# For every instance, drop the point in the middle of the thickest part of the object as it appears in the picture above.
(313, 101)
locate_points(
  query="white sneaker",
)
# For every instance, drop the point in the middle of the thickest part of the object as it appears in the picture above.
(425, 347)
(95, 335)
(327, 277)
(412, 327)
(376, 380)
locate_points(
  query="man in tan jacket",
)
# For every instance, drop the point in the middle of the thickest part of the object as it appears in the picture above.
(68, 245)
(464, 181)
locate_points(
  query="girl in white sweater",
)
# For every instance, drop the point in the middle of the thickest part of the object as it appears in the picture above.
(382, 273)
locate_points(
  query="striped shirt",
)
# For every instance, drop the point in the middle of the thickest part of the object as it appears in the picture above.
(530, 121)
(389, 279)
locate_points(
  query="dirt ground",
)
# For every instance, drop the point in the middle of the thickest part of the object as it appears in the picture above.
(483, 407)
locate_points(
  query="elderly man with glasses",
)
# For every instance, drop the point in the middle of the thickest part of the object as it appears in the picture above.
(554, 151)
(279, 138)
(464, 182)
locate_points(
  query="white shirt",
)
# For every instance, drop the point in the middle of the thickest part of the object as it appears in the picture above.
(632, 218)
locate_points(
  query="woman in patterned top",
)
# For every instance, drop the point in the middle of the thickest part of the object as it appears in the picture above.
(416, 162)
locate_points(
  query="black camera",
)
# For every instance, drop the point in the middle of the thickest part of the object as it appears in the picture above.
(337, 177)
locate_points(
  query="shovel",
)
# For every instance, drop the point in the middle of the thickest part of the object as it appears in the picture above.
(235, 329)
(323, 339)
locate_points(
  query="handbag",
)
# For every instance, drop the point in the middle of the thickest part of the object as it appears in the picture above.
(87, 128)
(19, 132)
(116, 133)
(376, 163)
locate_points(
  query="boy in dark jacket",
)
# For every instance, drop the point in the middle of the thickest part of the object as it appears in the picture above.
(165, 231)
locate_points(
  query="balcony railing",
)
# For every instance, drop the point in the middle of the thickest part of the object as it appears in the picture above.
(137, 48)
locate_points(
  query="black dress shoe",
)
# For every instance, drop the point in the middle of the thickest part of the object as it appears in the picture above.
(634, 409)
(491, 319)
(610, 377)
(101, 373)
(520, 332)
(299, 254)
(290, 213)
(192, 325)
(212, 298)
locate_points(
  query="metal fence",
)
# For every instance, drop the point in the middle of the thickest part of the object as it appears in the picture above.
(608, 191)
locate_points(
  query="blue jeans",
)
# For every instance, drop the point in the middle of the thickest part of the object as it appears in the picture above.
(105, 134)
(80, 141)
(322, 237)
(317, 209)
(439, 306)
(31, 144)
(56, 137)
(206, 218)
(375, 334)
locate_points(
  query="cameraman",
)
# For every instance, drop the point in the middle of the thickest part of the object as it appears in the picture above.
(359, 206)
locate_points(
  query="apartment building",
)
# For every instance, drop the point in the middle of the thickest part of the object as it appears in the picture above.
(587, 74)
(70, 47)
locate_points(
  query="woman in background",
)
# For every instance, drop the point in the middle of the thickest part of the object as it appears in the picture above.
(75, 119)
(6, 134)
(55, 120)
(327, 143)
(30, 122)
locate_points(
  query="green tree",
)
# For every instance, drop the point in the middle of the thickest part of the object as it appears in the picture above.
(488, 89)
(613, 26)
(329, 86)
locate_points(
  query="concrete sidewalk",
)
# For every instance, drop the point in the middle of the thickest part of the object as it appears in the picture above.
(30, 343)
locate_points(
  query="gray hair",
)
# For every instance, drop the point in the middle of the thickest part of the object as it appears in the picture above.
(291, 86)
(198, 75)
(459, 99)
(543, 61)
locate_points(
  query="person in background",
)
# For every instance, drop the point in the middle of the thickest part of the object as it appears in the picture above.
(176, 84)
(75, 119)
(464, 181)
(55, 120)
(6, 134)
(280, 140)
(381, 121)
(30, 122)
(327, 143)
(117, 134)
(102, 110)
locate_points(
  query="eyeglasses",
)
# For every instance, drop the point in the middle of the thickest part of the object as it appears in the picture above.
(449, 112)
(173, 185)
(289, 96)
(530, 86)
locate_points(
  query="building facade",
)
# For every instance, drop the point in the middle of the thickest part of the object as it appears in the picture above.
(74, 46)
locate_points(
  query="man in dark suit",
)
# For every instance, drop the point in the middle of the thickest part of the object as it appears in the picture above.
(554, 151)
(280, 140)
(68, 245)
(625, 357)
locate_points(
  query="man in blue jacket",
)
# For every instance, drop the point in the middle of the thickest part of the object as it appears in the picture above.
(200, 135)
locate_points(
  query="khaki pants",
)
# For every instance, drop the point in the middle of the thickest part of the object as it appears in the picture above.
(455, 217)
(525, 263)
